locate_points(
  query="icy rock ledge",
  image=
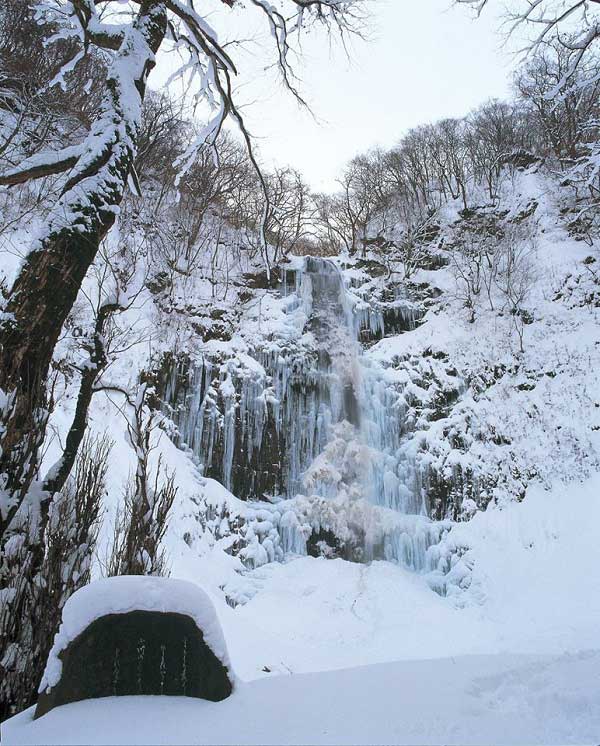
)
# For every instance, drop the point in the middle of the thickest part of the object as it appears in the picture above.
(354, 530)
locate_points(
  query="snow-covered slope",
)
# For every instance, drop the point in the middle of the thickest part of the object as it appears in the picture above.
(485, 627)
(446, 416)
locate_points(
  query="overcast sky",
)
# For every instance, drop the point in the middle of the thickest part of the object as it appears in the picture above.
(426, 59)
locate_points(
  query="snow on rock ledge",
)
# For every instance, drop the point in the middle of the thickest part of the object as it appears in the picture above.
(124, 594)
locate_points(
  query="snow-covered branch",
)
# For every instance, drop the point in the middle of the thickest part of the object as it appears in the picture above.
(42, 164)
(80, 19)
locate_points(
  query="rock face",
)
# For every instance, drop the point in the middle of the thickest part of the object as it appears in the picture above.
(241, 425)
(138, 653)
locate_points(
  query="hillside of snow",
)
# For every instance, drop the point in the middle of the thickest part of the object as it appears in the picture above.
(437, 583)
(486, 422)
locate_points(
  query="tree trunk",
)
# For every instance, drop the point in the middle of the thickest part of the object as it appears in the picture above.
(38, 305)
(58, 475)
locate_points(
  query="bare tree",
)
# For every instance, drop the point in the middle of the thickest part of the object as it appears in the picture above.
(548, 17)
(117, 290)
(332, 222)
(572, 26)
(289, 219)
(163, 133)
(141, 524)
(212, 182)
(69, 546)
(414, 153)
(516, 276)
(562, 119)
(493, 132)
(468, 263)
(417, 226)
(347, 215)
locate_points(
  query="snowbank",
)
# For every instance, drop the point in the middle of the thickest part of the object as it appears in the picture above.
(133, 593)
(512, 700)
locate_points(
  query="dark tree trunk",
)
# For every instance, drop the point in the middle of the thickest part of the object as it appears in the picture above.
(45, 291)
(55, 481)
(38, 305)
(40, 302)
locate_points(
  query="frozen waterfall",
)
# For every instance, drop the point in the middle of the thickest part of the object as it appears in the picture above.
(315, 426)
(376, 468)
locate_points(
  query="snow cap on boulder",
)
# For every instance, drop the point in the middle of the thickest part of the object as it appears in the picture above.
(121, 595)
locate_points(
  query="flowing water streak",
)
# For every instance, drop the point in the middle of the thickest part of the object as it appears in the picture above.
(363, 459)
(361, 394)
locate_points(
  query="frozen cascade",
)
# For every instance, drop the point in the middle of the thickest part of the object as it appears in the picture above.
(256, 422)
(318, 420)
(361, 396)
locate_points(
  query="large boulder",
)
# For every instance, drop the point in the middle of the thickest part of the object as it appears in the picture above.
(136, 636)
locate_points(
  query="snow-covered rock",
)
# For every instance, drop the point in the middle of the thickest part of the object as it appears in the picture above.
(123, 594)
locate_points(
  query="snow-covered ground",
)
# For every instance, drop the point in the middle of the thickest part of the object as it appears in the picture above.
(535, 589)
(527, 699)
(519, 666)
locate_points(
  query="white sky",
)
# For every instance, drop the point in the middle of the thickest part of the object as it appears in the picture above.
(426, 59)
